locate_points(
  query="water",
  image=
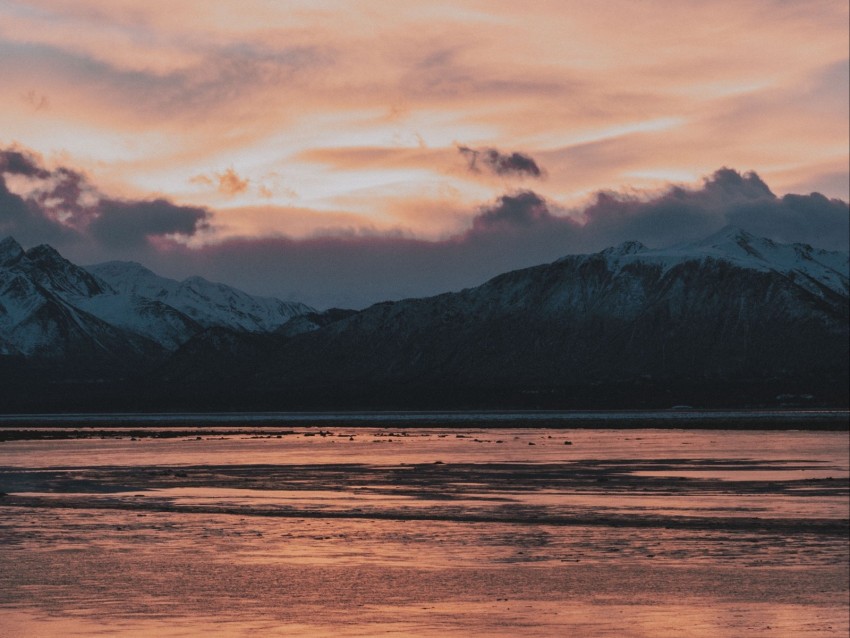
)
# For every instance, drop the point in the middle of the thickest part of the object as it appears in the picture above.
(370, 531)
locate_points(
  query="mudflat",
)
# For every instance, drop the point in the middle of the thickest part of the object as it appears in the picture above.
(375, 530)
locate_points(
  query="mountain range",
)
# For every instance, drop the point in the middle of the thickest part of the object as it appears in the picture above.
(51, 309)
(731, 320)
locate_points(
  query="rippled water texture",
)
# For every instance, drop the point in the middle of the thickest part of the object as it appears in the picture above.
(367, 531)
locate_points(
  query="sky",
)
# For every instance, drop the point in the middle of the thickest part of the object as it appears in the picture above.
(344, 153)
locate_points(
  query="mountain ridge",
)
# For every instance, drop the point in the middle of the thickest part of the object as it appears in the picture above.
(209, 303)
(47, 304)
(618, 318)
(732, 319)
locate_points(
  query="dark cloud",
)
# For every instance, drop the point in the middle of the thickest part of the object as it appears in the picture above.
(61, 194)
(522, 210)
(122, 224)
(729, 183)
(62, 208)
(812, 219)
(67, 195)
(13, 210)
(727, 197)
(24, 217)
(490, 159)
(25, 221)
(20, 163)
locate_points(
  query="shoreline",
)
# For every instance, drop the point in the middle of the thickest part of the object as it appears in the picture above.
(174, 425)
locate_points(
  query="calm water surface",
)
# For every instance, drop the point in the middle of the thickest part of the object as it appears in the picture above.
(341, 531)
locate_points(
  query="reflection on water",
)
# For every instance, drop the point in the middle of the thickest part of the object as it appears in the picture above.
(427, 533)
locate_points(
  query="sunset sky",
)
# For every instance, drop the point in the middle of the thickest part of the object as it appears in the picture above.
(344, 152)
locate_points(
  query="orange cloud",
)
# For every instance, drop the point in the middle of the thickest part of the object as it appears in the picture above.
(229, 183)
(203, 180)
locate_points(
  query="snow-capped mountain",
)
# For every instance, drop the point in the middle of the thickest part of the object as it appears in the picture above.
(209, 304)
(729, 314)
(808, 267)
(51, 308)
(39, 318)
(627, 280)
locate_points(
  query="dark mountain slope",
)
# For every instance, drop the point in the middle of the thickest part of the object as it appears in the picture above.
(734, 318)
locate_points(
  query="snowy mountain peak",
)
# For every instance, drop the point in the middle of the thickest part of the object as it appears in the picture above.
(207, 303)
(732, 233)
(48, 268)
(123, 268)
(813, 269)
(10, 251)
(731, 238)
(728, 237)
(626, 248)
(733, 243)
(45, 253)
